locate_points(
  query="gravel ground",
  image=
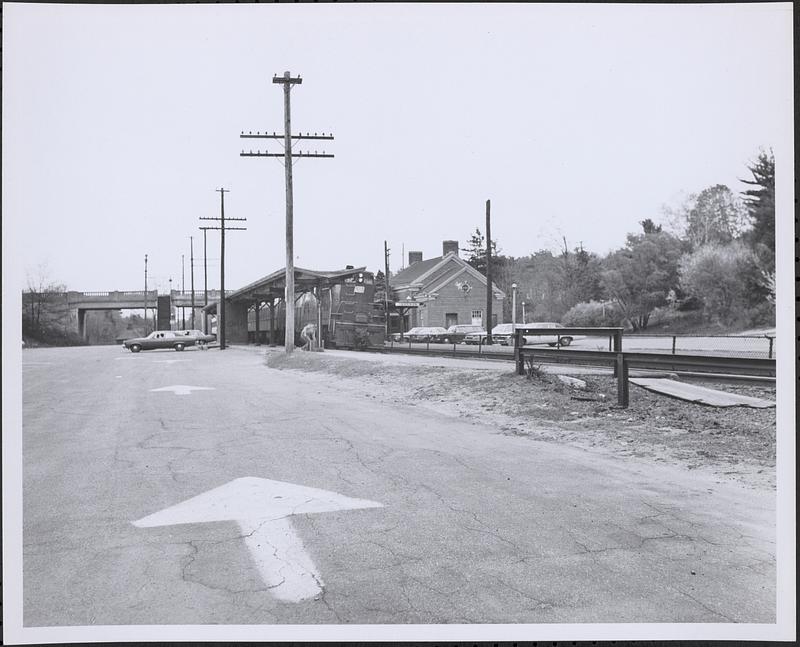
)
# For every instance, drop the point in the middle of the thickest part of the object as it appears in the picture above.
(734, 443)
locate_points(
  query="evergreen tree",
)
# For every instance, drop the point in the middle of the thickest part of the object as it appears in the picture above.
(476, 251)
(760, 204)
(380, 287)
(649, 227)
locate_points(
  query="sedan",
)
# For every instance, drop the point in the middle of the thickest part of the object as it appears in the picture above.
(160, 339)
(199, 335)
(501, 333)
(426, 334)
(455, 334)
(550, 340)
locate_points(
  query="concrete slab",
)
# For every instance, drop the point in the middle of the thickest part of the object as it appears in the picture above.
(700, 394)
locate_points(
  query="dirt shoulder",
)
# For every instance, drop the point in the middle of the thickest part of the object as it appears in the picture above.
(734, 443)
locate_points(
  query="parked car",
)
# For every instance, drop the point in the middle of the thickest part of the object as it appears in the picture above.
(199, 335)
(426, 333)
(455, 334)
(502, 333)
(161, 339)
(550, 340)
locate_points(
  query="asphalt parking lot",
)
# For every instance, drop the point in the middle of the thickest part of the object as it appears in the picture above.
(205, 488)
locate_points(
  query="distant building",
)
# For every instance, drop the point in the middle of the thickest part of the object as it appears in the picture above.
(447, 289)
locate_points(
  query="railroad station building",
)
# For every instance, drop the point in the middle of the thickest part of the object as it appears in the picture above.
(256, 312)
(443, 291)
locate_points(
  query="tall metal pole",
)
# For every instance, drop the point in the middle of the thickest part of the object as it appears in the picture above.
(145, 294)
(221, 310)
(183, 289)
(513, 306)
(488, 274)
(386, 284)
(287, 142)
(205, 282)
(191, 265)
(170, 303)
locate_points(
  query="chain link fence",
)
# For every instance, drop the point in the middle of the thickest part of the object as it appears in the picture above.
(755, 346)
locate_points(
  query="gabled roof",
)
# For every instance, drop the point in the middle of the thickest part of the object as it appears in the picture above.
(421, 270)
(412, 272)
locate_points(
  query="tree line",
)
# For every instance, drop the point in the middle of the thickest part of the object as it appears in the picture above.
(710, 263)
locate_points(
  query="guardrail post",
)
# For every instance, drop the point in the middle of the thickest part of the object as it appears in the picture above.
(454, 349)
(520, 360)
(480, 344)
(617, 348)
(673, 344)
(621, 367)
(771, 342)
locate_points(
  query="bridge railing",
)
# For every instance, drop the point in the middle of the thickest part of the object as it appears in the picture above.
(124, 294)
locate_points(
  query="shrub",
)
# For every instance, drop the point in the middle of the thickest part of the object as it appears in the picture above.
(725, 277)
(593, 313)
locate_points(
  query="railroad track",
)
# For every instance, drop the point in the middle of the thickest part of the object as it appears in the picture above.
(717, 366)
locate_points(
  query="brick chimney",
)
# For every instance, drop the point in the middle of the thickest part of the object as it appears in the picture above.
(414, 257)
(449, 246)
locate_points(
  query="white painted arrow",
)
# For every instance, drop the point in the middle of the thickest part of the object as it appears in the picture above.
(262, 509)
(183, 389)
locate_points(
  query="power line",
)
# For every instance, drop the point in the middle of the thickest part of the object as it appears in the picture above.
(287, 80)
(222, 229)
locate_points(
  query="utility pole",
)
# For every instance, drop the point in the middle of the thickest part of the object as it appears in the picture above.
(222, 229)
(191, 264)
(183, 289)
(205, 278)
(489, 294)
(386, 284)
(145, 295)
(287, 80)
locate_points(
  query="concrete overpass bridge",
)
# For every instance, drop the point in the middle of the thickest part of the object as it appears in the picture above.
(73, 306)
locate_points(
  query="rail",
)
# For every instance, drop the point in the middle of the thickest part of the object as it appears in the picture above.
(526, 358)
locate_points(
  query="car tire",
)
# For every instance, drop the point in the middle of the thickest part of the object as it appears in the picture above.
(179, 347)
(446, 340)
(566, 341)
(135, 348)
(551, 343)
(522, 341)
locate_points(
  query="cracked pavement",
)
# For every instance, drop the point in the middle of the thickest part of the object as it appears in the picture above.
(477, 526)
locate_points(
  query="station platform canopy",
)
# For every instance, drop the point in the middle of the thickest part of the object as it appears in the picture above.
(273, 286)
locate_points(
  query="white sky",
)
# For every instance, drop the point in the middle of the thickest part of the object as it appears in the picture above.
(119, 122)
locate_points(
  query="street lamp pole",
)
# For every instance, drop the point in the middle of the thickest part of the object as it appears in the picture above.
(513, 306)
(145, 294)
(171, 316)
